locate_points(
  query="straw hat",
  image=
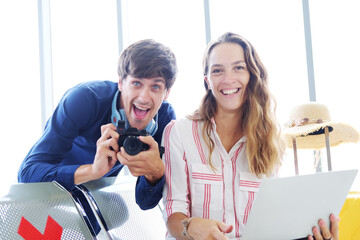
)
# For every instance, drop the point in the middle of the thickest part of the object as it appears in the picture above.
(307, 123)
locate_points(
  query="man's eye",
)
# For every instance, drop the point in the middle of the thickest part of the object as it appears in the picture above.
(136, 84)
(156, 87)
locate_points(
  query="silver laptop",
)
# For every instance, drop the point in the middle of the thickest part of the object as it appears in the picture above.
(288, 208)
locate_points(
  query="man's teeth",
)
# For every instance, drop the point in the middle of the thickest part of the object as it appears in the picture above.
(143, 109)
(230, 91)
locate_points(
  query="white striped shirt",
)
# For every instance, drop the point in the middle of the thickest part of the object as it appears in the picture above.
(194, 189)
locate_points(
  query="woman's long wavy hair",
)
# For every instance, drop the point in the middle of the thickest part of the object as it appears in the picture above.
(265, 146)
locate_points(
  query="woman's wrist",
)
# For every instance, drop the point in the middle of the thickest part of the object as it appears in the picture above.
(186, 224)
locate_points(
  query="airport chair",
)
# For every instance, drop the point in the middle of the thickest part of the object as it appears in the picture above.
(39, 211)
(113, 201)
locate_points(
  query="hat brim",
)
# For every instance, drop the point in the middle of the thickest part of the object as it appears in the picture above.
(305, 138)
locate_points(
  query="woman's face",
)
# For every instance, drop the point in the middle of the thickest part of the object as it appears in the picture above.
(228, 76)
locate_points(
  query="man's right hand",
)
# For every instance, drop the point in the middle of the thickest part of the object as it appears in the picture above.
(105, 158)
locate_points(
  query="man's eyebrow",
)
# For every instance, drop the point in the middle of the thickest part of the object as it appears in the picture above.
(159, 80)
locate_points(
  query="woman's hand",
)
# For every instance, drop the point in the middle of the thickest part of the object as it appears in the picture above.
(207, 229)
(325, 233)
(197, 228)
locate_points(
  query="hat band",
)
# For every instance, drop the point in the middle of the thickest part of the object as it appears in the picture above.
(303, 121)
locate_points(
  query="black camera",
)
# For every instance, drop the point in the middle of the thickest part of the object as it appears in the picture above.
(129, 139)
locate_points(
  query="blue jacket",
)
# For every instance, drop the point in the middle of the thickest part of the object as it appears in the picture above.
(70, 135)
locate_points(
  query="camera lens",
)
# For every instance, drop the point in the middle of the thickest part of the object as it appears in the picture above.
(132, 145)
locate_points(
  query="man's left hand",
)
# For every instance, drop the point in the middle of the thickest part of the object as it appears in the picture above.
(146, 163)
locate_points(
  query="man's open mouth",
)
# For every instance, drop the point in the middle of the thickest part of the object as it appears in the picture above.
(140, 112)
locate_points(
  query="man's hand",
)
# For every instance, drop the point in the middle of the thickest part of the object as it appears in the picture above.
(106, 150)
(105, 158)
(146, 163)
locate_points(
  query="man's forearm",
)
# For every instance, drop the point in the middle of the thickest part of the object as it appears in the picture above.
(148, 196)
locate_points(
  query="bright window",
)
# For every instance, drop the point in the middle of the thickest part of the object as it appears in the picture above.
(20, 122)
(336, 63)
(84, 43)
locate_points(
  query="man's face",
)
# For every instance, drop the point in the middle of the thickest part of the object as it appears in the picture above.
(141, 99)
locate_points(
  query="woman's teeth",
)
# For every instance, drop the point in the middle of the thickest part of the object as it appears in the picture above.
(230, 91)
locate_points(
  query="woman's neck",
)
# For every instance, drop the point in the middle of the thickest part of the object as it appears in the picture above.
(228, 128)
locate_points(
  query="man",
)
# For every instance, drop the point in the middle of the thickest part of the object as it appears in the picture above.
(80, 140)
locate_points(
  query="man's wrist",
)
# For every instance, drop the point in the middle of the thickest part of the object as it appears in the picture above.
(83, 174)
(153, 180)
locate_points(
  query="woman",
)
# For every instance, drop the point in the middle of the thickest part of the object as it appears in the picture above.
(215, 159)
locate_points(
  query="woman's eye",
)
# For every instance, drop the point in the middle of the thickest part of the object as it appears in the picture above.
(239, 67)
(216, 71)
